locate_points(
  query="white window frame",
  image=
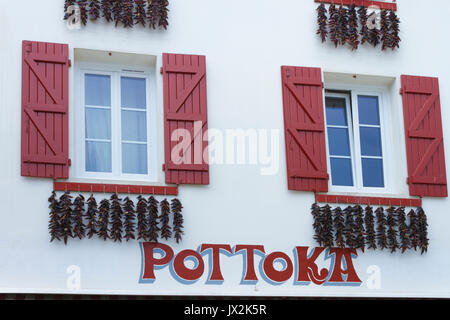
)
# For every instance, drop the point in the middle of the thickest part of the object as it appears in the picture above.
(355, 145)
(115, 72)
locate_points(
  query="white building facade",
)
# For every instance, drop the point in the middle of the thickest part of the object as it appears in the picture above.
(244, 115)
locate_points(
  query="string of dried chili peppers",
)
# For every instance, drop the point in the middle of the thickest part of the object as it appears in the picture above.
(140, 14)
(91, 216)
(391, 221)
(405, 243)
(65, 207)
(130, 217)
(317, 224)
(339, 226)
(166, 230)
(142, 224)
(381, 228)
(370, 228)
(178, 220)
(107, 9)
(359, 228)
(153, 228)
(162, 13)
(349, 228)
(79, 229)
(94, 10)
(413, 229)
(54, 225)
(103, 219)
(116, 219)
(322, 21)
(423, 230)
(352, 37)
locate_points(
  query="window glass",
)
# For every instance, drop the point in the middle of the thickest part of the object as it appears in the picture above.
(98, 156)
(368, 110)
(134, 126)
(98, 123)
(372, 172)
(339, 141)
(134, 158)
(341, 171)
(370, 141)
(97, 90)
(133, 93)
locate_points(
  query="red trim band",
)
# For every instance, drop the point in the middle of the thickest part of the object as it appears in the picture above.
(362, 3)
(114, 188)
(403, 202)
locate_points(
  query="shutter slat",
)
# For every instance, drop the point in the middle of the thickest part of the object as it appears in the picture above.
(424, 137)
(304, 129)
(185, 104)
(45, 110)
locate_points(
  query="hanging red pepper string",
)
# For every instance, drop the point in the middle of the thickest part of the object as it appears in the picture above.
(322, 21)
(370, 228)
(54, 225)
(91, 216)
(142, 224)
(339, 226)
(130, 217)
(153, 230)
(79, 229)
(178, 220)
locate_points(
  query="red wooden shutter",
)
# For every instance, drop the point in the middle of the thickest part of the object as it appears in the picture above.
(45, 101)
(424, 138)
(185, 107)
(304, 129)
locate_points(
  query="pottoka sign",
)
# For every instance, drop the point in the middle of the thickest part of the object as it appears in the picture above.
(302, 269)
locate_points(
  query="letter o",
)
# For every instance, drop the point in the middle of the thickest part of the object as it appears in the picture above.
(185, 273)
(272, 273)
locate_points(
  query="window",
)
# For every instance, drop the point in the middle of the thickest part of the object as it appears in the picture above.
(356, 146)
(115, 124)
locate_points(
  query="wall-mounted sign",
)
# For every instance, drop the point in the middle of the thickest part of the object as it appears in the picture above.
(305, 265)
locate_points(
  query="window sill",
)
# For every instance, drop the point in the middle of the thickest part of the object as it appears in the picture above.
(366, 200)
(115, 188)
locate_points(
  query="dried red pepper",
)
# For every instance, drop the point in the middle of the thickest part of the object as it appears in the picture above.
(166, 230)
(178, 220)
(79, 229)
(130, 217)
(91, 216)
(116, 219)
(142, 221)
(54, 225)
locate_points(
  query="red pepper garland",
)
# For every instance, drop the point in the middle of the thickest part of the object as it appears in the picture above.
(317, 224)
(349, 228)
(130, 217)
(65, 207)
(142, 224)
(106, 8)
(348, 25)
(352, 37)
(342, 25)
(94, 10)
(117, 11)
(322, 22)
(166, 230)
(161, 13)
(79, 229)
(327, 229)
(391, 221)
(359, 228)
(67, 4)
(339, 225)
(413, 229)
(423, 230)
(103, 219)
(116, 219)
(140, 15)
(127, 18)
(364, 32)
(91, 216)
(370, 228)
(405, 243)
(381, 228)
(177, 219)
(333, 24)
(153, 228)
(83, 11)
(54, 225)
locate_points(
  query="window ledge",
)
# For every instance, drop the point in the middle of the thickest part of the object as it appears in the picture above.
(115, 188)
(366, 200)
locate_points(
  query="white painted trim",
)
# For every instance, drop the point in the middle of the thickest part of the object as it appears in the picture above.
(383, 98)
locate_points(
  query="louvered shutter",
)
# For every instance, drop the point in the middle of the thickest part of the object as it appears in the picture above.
(185, 108)
(45, 93)
(424, 138)
(304, 129)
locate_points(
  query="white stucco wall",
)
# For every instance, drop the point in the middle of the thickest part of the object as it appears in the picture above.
(245, 43)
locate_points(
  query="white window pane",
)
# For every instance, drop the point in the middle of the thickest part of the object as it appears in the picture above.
(338, 141)
(370, 141)
(133, 92)
(134, 158)
(368, 110)
(97, 90)
(341, 172)
(98, 123)
(134, 126)
(98, 156)
(373, 173)
(336, 111)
